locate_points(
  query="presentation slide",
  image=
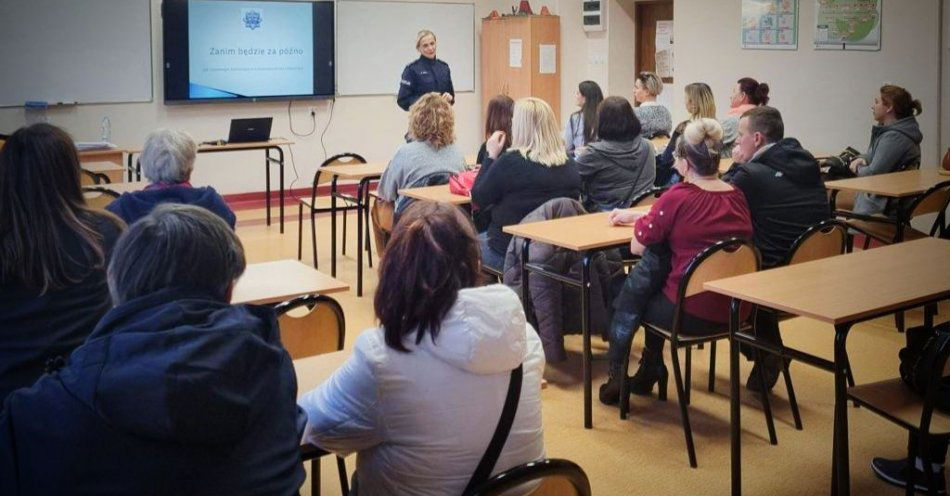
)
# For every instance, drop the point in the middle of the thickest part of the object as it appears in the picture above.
(249, 49)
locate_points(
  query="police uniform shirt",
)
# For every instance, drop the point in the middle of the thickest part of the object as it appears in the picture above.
(423, 76)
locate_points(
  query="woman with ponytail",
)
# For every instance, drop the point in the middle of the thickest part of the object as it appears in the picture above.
(581, 125)
(746, 95)
(895, 142)
(689, 217)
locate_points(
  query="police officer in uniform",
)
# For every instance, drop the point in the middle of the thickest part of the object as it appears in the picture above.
(425, 75)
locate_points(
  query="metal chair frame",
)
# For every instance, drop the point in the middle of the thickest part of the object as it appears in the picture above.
(499, 484)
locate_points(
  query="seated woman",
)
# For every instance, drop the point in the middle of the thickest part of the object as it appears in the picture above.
(431, 153)
(580, 127)
(534, 170)
(167, 160)
(620, 165)
(421, 395)
(175, 392)
(655, 119)
(498, 118)
(746, 95)
(53, 255)
(689, 217)
(700, 104)
(895, 142)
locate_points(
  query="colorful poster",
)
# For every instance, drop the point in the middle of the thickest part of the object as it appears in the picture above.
(769, 24)
(848, 24)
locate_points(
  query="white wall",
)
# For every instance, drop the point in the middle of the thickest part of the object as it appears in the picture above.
(370, 125)
(824, 96)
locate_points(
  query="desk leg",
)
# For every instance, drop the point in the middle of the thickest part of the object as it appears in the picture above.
(735, 431)
(842, 478)
(585, 328)
(280, 161)
(267, 183)
(333, 227)
(525, 290)
(361, 191)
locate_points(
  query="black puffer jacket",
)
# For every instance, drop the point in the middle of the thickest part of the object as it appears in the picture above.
(557, 307)
(786, 196)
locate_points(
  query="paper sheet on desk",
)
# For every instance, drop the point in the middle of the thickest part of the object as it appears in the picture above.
(94, 145)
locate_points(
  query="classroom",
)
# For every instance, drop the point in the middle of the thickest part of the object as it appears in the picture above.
(458, 264)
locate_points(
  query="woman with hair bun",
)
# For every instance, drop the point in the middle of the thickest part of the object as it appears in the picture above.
(747, 94)
(895, 142)
(689, 217)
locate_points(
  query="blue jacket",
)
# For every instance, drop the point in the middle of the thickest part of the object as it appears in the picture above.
(133, 206)
(424, 76)
(173, 393)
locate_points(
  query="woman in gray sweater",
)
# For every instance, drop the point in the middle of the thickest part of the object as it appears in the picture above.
(655, 119)
(620, 165)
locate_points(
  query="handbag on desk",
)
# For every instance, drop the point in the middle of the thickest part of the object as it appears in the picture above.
(839, 166)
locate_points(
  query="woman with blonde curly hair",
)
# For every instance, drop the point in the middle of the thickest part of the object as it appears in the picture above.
(430, 158)
(535, 169)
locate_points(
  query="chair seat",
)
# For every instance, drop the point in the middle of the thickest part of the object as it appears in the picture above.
(688, 338)
(886, 231)
(894, 400)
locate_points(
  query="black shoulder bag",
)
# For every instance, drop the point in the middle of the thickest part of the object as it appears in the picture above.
(487, 464)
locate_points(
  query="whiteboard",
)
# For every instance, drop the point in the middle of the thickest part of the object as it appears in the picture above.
(376, 39)
(89, 51)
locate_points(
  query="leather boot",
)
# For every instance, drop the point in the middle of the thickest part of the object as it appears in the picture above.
(652, 371)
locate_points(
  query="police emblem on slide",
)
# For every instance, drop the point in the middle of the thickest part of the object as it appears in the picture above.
(252, 19)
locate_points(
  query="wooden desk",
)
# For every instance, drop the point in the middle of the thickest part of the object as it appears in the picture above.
(282, 280)
(364, 173)
(114, 156)
(586, 234)
(313, 371)
(272, 145)
(842, 291)
(471, 159)
(724, 165)
(115, 173)
(660, 142)
(893, 185)
(439, 193)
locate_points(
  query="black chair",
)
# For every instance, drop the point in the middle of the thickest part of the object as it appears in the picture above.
(727, 258)
(648, 197)
(554, 477)
(88, 178)
(350, 203)
(98, 197)
(311, 325)
(895, 401)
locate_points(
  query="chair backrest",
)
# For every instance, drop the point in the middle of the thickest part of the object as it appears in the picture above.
(547, 477)
(825, 239)
(727, 258)
(311, 325)
(648, 197)
(338, 159)
(98, 197)
(88, 178)
(933, 200)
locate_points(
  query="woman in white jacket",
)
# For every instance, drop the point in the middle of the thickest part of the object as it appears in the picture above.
(421, 396)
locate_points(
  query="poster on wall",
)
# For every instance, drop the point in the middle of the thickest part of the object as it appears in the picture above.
(769, 24)
(848, 24)
(664, 49)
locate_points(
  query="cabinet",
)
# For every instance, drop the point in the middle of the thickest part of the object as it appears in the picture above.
(498, 75)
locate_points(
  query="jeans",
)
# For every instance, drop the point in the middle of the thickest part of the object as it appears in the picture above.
(490, 258)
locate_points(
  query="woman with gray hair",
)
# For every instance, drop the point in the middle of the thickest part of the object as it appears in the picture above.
(176, 391)
(167, 161)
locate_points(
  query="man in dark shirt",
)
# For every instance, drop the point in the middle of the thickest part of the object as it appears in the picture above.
(782, 184)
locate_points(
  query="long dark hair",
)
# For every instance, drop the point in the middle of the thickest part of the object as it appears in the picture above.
(40, 199)
(432, 255)
(498, 118)
(592, 98)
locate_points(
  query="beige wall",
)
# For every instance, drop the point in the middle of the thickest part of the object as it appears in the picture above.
(370, 125)
(945, 80)
(824, 96)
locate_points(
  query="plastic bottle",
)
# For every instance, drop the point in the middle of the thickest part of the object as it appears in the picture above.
(106, 135)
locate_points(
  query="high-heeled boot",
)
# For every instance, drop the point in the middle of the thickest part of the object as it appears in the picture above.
(652, 371)
(623, 326)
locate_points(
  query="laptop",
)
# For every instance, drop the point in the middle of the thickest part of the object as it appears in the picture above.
(250, 130)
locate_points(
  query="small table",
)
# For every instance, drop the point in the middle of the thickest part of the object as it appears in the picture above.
(282, 280)
(364, 173)
(114, 156)
(273, 145)
(439, 193)
(842, 290)
(895, 185)
(585, 234)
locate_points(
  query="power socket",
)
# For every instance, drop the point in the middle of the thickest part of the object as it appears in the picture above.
(313, 111)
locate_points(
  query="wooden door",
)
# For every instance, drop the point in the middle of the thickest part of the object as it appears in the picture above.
(647, 15)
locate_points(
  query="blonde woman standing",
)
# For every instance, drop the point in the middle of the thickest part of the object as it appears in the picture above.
(426, 74)
(535, 169)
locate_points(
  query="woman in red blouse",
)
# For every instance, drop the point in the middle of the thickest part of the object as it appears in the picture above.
(688, 218)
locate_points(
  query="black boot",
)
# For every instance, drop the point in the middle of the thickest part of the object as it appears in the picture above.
(652, 370)
(623, 326)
